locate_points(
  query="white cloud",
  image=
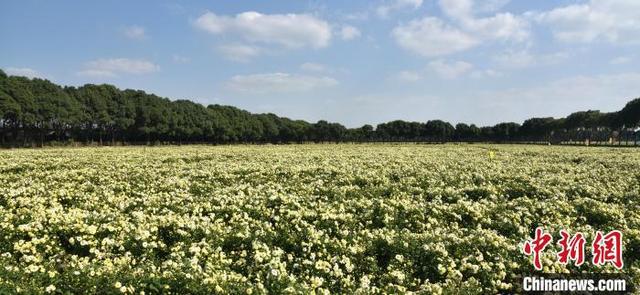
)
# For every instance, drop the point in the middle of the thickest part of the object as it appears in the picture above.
(515, 59)
(446, 70)
(289, 30)
(467, 9)
(488, 73)
(491, 5)
(112, 67)
(95, 73)
(278, 82)
(179, 59)
(524, 59)
(396, 5)
(449, 70)
(239, 52)
(433, 36)
(25, 72)
(615, 21)
(349, 32)
(503, 26)
(457, 9)
(313, 67)
(357, 16)
(175, 8)
(135, 32)
(621, 60)
(430, 37)
(614, 87)
(559, 97)
(408, 76)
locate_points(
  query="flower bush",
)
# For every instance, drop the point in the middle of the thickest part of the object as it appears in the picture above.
(299, 219)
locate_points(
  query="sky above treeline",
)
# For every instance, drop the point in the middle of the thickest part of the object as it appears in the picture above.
(353, 62)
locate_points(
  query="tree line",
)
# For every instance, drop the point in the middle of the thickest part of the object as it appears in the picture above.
(37, 111)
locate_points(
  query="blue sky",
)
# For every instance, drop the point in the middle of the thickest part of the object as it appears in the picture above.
(353, 62)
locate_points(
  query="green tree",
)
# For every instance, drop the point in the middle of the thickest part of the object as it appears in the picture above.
(630, 115)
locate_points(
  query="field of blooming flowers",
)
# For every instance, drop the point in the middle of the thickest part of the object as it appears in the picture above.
(303, 218)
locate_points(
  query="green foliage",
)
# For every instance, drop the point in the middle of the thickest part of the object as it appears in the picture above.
(35, 111)
(630, 114)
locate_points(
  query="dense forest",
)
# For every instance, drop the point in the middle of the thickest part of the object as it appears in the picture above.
(38, 112)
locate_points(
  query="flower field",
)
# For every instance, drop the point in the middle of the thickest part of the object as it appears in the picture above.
(300, 219)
